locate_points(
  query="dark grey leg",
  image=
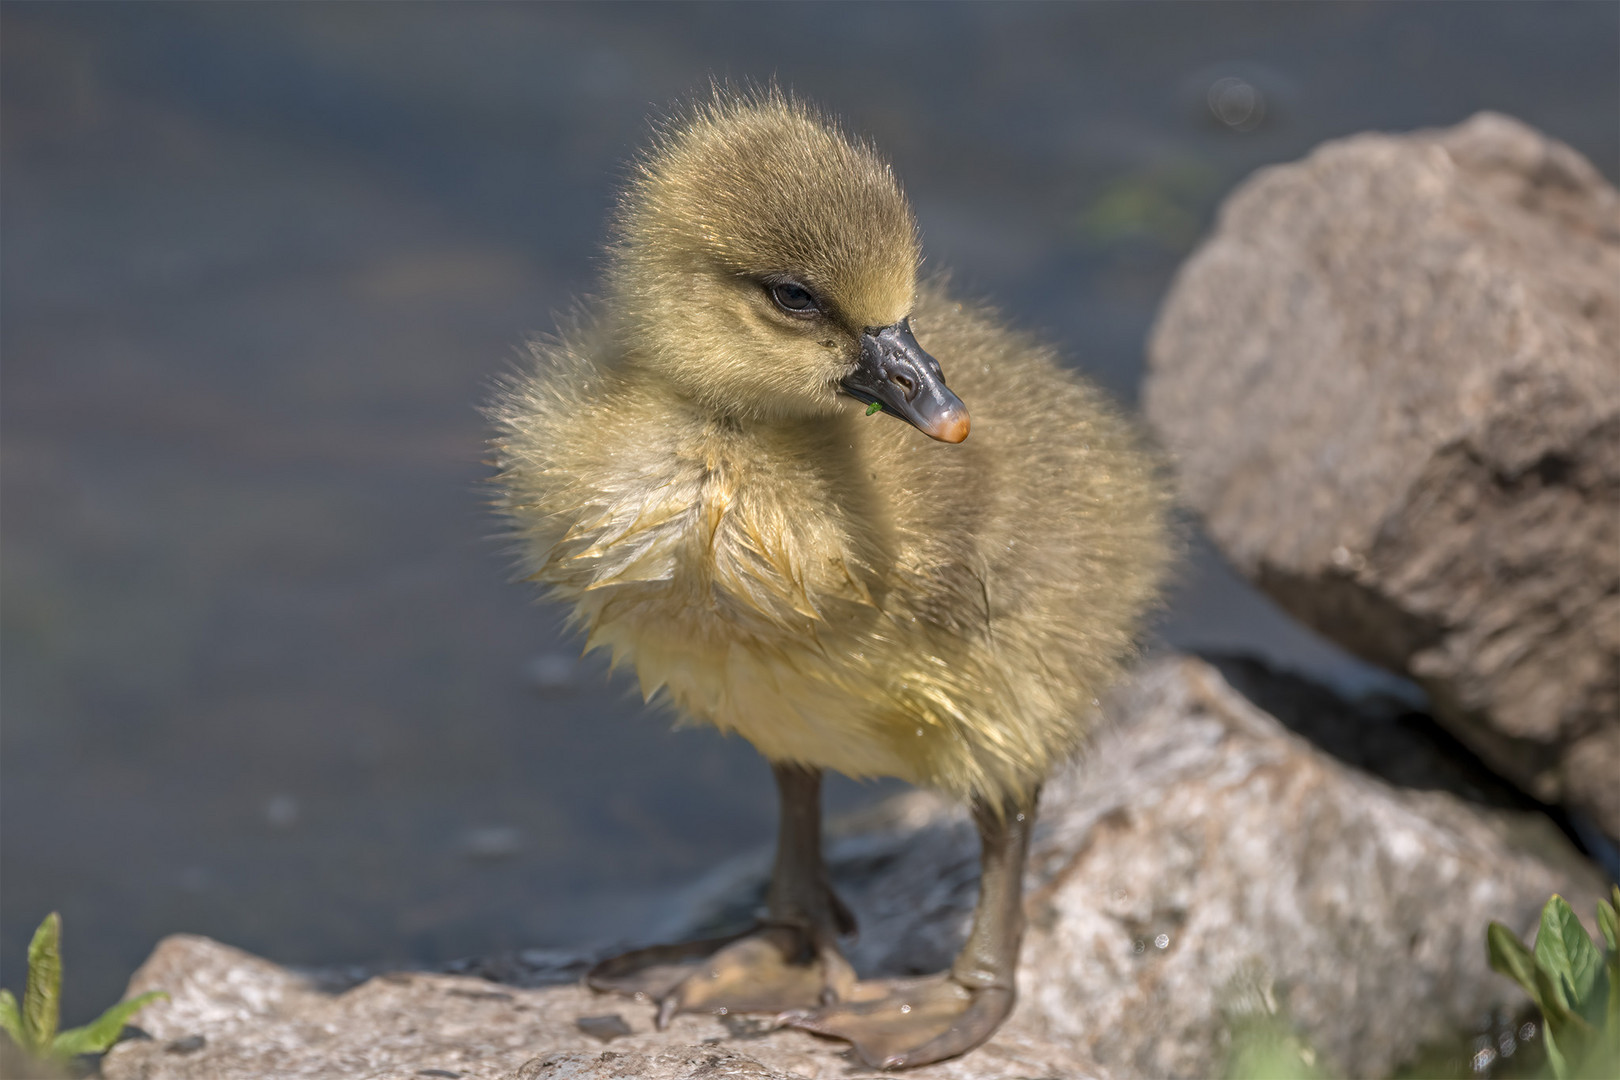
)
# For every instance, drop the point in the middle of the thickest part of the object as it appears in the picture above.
(916, 1023)
(799, 894)
(789, 961)
(989, 959)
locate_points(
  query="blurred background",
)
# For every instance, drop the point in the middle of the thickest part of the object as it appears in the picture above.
(263, 678)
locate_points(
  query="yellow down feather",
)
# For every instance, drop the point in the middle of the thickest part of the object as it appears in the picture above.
(837, 588)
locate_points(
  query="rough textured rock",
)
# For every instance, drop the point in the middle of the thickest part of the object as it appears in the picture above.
(1392, 380)
(235, 1017)
(1202, 851)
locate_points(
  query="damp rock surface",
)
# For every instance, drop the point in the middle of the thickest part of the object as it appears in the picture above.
(1205, 854)
(1391, 379)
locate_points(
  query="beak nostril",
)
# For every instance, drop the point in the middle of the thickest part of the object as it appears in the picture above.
(895, 374)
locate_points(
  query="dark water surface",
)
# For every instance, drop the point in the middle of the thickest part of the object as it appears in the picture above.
(263, 678)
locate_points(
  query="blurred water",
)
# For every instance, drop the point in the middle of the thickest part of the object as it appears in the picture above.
(262, 676)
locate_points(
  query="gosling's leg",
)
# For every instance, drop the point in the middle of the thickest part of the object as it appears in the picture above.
(789, 961)
(905, 1023)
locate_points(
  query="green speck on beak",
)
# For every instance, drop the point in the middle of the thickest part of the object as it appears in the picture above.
(876, 406)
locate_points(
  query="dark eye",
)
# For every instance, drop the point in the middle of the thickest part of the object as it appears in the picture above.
(794, 298)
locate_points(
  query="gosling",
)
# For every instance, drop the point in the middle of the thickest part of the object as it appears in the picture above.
(709, 471)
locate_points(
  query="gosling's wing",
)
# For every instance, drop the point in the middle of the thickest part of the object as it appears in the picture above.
(1044, 534)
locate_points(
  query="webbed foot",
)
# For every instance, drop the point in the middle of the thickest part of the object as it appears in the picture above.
(770, 969)
(903, 1024)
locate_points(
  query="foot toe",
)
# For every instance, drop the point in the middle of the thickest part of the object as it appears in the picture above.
(768, 969)
(758, 973)
(903, 1025)
(652, 973)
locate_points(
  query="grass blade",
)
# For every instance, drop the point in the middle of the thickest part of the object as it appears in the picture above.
(42, 999)
(10, 1018)
(96, 1036)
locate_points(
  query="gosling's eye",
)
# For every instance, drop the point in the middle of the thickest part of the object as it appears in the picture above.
(794, 299)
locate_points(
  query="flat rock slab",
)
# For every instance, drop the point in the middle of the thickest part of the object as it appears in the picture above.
(1203, 857)
(235, 1015)
(1391, 379)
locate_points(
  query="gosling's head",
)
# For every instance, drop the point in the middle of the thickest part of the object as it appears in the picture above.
(766, 265)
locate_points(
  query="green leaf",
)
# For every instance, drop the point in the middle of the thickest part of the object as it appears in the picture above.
(10, 1018)
(1509, 956)
(1609, 923)
(1553, 1008)
(1567, 1034)
(1565, 951)
(1266, 1048)
(1606, 920)
(876, 406)
(98, 1035)
(1611, 1020)
(1555, 1055)
(42, 1000)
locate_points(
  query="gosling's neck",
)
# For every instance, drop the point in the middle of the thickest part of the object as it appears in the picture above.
(730, 424)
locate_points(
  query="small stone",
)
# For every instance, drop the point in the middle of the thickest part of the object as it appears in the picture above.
(606, 1028)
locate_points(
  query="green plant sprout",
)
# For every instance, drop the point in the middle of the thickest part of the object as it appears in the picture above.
(1576, 988)
(1265, 1047)
(33, 1026)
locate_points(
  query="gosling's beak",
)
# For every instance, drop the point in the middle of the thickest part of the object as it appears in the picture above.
(895, 372)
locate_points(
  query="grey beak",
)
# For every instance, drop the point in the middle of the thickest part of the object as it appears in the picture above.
(897, 374)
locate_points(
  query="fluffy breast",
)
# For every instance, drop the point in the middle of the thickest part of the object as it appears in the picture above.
(743, 583)
(707, 548)
(717, 561)
(845, 593)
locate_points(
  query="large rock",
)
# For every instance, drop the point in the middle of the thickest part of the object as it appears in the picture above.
(1392, 381)
(1203, 857)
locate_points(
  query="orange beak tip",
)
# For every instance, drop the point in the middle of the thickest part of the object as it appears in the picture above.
(952, 428)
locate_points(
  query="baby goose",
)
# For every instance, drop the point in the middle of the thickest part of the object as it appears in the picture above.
(699, 475)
